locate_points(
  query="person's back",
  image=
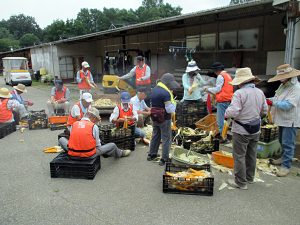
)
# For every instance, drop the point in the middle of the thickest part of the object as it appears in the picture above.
(159, 97)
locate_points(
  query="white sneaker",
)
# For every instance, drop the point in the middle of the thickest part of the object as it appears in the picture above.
(232, 183)
(125, 153)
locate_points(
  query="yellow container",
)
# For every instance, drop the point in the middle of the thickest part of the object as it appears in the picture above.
(43, 71)
(109, 81)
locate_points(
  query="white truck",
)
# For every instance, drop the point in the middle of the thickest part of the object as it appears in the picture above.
(15, 71)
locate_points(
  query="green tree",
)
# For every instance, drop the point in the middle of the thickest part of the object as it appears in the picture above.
(55, 31)
(20, 25)
(28, 40)
(4, 33)
(5, 44)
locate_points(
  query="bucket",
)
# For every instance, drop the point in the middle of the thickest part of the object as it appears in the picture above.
(43, 78)
(43, 71)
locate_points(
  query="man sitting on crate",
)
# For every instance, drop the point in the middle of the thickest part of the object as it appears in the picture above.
(22, 109)
(60, 97)
(6, 107)
(79, 110)
(142, 109)
(84, 142)
(85, 78)
(126, 112)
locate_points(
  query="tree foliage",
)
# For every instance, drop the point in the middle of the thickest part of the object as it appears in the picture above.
(28, 40)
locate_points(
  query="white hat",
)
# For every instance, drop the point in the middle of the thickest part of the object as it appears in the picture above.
(192, 66)
(85, 64)
(87, 97)
(244, 75)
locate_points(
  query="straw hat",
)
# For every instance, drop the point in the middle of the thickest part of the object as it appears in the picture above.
(244, 75)
(283, 72)
(20, 87)
(4, 93)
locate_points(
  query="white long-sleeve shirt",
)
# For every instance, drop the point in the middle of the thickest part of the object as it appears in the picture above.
(116, 113)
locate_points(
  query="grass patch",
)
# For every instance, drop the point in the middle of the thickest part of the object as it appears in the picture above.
(1, 74)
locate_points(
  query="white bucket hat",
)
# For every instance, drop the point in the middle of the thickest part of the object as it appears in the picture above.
(283, 72)
(192, 66)
(244, 75)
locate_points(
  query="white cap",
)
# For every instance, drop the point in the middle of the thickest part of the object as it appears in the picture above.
(87, 97)
(85, 64)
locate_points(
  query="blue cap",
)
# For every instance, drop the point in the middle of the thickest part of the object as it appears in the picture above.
(59, 83)
(125, 97)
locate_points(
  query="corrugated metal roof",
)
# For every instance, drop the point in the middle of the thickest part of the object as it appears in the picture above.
(154, 22)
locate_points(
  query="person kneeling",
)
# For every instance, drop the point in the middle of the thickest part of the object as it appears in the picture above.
(84, 142)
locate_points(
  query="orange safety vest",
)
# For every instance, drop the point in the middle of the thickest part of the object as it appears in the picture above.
(82, 143)
(71, 119)
(139, 73)
(124, 115)
(59, 96)
(5, 114)
(226, 93)
(84, 84)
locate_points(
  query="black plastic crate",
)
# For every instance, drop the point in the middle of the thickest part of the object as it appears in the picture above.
(196, 186)
(58, 126)
(268, 134)
(37, 115)
(202, 147)
(64, 167)
(38, 124)
(113, 133)
(191, 108)
(189, 120)
(123, 144)
(7, 128)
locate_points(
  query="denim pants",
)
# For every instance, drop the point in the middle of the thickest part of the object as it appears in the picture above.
(138, 133)
(221, 108)
(161, 131)
(286, 136)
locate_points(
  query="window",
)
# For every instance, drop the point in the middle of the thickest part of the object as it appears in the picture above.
(208, 42)
(192, 42)
(227, 40)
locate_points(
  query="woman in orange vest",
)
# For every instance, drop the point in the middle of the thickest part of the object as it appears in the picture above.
(6, 106)
(126, 111)
(142, 74)
(61, 95)
(224, 92)
(81, 77)
(84, 143)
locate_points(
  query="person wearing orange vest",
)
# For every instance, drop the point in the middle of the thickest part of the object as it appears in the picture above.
(6, 106)
(79, 109)
(84, 142)
(224, 92)
(81, 77)
(142, 74)
(61, 95)
(126, 111)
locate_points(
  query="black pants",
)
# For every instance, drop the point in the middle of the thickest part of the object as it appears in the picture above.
(16, 117)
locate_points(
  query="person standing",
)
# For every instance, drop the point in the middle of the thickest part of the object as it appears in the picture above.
(163, 104)
(142, 74)
(81, 77)
(79, 109)
(247, 106)
(60, 97)
(126, 111)
(84, 142)
(188, 79)
(285, 110)
(224, 92)
(142, 109)
(22, 109)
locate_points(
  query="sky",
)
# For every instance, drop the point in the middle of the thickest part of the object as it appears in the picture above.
(45, 11)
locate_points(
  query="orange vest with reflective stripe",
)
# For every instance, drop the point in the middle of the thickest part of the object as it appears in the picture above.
(226, 93)
(124, 115)
(141, 73)
(59, 96)
(82, 143)
(71, 119)
(84, 84)
(5, 114)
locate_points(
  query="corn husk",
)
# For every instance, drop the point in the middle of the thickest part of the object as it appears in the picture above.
(103, 102)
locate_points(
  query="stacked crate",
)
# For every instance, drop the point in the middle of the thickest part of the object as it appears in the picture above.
(188, 114)
(37, 120)
(123, 138)
(6, 129)
(268, 143)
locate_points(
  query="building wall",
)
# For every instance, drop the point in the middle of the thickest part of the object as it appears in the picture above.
(45, 57)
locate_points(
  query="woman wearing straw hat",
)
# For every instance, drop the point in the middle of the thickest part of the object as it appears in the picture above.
(6, 106)
(22, 110)
(248, 104)
(285, 114)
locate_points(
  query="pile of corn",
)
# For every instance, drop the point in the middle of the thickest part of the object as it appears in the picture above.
(103, 102)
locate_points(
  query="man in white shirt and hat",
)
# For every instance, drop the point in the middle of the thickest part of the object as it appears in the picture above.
(82, 76)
